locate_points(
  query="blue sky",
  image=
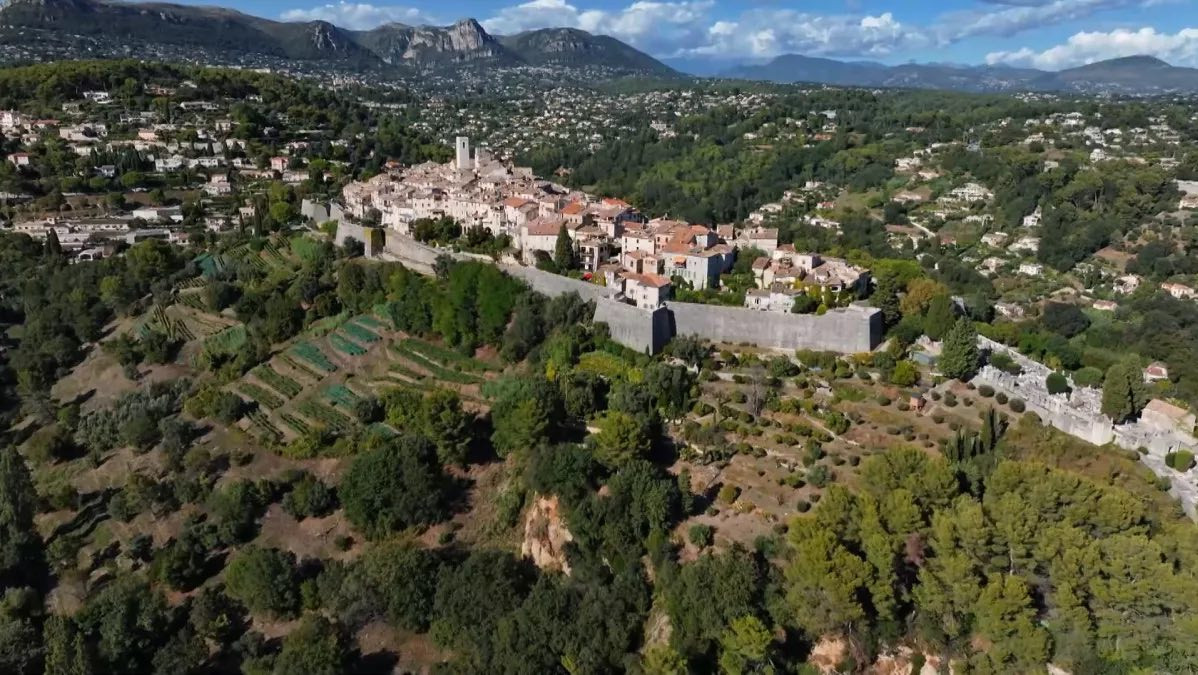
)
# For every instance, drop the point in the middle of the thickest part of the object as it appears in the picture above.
(1050, 34)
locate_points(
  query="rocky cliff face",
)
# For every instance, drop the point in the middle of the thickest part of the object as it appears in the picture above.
(546, 536)
(132, 24)
(463, 41)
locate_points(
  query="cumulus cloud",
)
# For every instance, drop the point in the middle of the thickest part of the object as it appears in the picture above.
(761, 30)
(1180, 48)
(687, 28)
(765, 33)
(646, 24)
(359, 16)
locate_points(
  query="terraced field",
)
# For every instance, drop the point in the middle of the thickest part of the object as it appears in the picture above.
(317, 381)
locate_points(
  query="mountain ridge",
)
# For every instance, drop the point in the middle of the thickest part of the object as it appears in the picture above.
(389, 45)
(1140, 74)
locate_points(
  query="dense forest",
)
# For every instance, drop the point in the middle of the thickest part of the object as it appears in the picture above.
(980, 557)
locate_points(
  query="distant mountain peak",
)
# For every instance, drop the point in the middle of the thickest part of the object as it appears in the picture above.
(1136, 60)
(133, 24)
(1135, 75)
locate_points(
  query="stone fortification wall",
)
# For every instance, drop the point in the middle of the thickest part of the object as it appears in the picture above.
(646, 331)
(849, 330)
(409, 252)
(317, 212)
(1078, 415)
(846, 331)
(552, 284)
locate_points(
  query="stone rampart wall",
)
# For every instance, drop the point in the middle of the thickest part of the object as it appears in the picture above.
(848, 330)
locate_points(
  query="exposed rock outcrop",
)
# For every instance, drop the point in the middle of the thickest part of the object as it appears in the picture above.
(545, 535)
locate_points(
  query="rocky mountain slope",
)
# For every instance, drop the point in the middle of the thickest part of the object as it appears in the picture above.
(391, 45)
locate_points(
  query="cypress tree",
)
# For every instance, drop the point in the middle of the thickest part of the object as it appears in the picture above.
(563, 250)
(959, 356)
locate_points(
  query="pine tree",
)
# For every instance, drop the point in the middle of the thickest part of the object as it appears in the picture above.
(563, 250)
(959, 356)
(1004, 614)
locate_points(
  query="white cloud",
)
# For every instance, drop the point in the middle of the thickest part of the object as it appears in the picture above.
(1017, 16)
(691, 29)
(687, 28)
(1180, 48)
(359, 16)
(653, 26)
(766, 33)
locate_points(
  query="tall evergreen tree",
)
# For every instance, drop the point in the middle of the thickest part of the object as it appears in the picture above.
(53, 247)
(563, 250)
(1123, 392)
(959, 356)
(21, 553)
(66, 654)
(940, 317)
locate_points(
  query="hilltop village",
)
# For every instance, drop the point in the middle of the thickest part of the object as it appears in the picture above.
(608, 239)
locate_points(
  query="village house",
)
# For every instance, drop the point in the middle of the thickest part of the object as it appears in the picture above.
(646, 291)
(1127, 284)
(969, 193)
(777, 298)
(1156, 371)
(790, 268)
(1166, 417)
(1179, 291)
(995, 239)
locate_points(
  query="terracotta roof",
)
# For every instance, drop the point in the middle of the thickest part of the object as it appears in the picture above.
(651, 280)
(515, 202)
(1167, 409)
(543, 228)
(572, 209)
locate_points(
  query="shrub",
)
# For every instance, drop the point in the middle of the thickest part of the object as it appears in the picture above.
(728, 493)
(1088, 377)
(950, 399)
(1182, 460)
(1056, 383)
(883, 401)
(938, 418)
(701, 535)
(986, 391)
(819, 476)
(803, 506)
(1000, 397)
(308, 498)
(1017, 405)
